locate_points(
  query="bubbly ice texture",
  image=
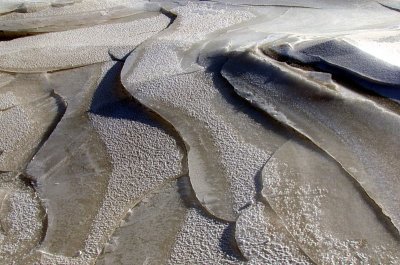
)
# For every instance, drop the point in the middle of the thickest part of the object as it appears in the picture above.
(179, 163)
(55, 7)
(201, 240)
(154, 158)
(148, 231)
(58, 17)
(325, 210)
(262, 238)
(195, 103)
(336, 124)
(22, 218)
(72, 161)
(78, 47)
(28, 112)
(127, 132)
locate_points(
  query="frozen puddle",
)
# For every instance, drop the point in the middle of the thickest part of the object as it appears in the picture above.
(199, 132)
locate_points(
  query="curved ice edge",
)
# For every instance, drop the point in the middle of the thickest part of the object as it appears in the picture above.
(265, 200)
(366, 80)
(186, 148)
(384, 219)
(162, 11)
(392, 5)
(192, 199)
(126, 69)
(370, 200)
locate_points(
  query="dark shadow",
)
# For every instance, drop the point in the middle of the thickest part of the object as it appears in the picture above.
(227, 91)
(393, 8)
(228, 244)
(345, 72)
(258, 181)
(61, 108)
(109, 91)
(189, 199)
(12, 35)
(112, 100)
(187, 193)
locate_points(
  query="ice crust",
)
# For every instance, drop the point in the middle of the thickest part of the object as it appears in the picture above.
(65, 15)
(346, 61)
(199, 132)
(346, 136)
(225, 183)
(22, 219)
(143, 222)
(201, 241)
(78, 47)
(28, 112)
(324, 210)
(78, 163)
(154, 157)
(262, 238)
